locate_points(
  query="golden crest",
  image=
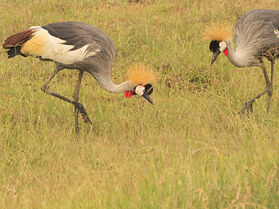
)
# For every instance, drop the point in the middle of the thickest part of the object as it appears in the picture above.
(140, 74)
(218, 31)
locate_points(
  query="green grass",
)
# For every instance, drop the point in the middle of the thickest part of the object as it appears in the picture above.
(189, 150)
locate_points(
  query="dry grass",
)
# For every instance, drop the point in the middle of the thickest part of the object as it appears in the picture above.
(189, 150)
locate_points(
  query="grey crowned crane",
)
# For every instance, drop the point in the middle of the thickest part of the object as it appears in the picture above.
(75, 45)
(256, 36)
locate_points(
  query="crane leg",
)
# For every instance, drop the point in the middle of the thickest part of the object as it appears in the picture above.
(76, 99)
(268, 89)
(77, 105)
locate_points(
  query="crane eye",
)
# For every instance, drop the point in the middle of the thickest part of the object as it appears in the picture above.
(214, 45)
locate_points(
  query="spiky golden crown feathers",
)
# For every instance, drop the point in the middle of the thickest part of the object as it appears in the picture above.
(140, 74)
(218, 31)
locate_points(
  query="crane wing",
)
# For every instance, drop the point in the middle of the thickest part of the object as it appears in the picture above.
(67, 43)
(255, 32)
(80, 41)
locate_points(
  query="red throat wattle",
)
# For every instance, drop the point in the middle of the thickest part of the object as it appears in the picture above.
(128, 94)
(226, 52)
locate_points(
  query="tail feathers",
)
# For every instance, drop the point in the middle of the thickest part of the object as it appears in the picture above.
(13, 51)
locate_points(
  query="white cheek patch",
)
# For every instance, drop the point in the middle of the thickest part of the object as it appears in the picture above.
(222, 46)
(140, 90)
(276, 32)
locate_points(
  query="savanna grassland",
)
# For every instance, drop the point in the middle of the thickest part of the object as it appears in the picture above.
(189, 150)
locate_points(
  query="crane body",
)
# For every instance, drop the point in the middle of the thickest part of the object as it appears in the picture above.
(75, 45)
(256, 36)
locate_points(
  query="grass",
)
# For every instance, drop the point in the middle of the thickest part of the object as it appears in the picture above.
(189, 150)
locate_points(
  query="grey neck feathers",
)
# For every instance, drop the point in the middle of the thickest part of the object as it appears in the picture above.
(118, 88)
(240, 57)
(108, 84)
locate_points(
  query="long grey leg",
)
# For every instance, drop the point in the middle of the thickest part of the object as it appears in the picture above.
(264, 71)
(269, 87)
(77, 105)
(249, 104)
(76, 98)
(57, 69)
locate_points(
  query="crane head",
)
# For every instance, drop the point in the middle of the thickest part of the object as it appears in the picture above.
(140, 77)
(141, 90)
(218, 33)
(216, 47)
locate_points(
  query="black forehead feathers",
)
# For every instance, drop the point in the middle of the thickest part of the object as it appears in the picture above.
(214, 45)
(148, 88)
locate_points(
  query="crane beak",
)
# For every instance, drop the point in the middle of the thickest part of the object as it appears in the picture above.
(215, 55)
(147, 97)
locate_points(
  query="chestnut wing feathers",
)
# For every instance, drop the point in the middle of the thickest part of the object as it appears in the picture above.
(18, 39)
(14, 42)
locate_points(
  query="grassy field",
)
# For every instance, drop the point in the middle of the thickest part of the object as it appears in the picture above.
(189, 150)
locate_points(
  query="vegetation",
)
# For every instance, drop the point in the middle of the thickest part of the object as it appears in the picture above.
(189, 150)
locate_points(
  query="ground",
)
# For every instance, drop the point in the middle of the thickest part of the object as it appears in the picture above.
(189, 150)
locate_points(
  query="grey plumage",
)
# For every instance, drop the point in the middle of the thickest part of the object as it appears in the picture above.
(79, 34)
(254, 34)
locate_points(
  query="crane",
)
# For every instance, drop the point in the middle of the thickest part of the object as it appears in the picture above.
(76, 45)
(256, 36)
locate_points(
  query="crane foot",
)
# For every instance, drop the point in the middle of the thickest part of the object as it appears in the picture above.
(83, 112)
(248, 106)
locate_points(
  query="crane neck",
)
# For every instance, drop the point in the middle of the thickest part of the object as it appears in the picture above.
(105, 81)
(118, 88)
(232, 56)
(240, 58)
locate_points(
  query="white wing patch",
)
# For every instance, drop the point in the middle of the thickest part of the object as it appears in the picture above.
(276, 33)
(49, 47)
(33, 27)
